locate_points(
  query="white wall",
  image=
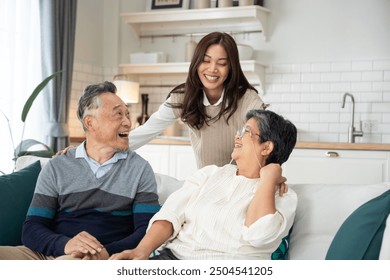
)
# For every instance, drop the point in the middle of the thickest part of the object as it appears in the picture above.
(316, 51)
(327, 30)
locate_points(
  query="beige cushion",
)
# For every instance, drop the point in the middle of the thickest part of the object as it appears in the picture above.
(24, 161)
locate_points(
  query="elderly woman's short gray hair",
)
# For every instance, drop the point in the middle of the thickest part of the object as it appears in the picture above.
(281, 132)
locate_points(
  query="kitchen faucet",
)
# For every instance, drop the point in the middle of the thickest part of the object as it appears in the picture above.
(351, 130)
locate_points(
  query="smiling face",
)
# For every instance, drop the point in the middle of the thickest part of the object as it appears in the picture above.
(109, 125)
(247, 150)
(213, 71)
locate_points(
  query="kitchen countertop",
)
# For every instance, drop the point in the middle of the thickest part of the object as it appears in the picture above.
(301, 145)
(343, 146)
(177, 140)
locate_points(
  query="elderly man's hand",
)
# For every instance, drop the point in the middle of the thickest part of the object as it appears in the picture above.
(82, 245)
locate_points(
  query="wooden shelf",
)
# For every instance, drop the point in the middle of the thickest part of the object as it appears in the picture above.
(194, 21)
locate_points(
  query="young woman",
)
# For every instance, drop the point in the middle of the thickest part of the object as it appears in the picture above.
(212, 102)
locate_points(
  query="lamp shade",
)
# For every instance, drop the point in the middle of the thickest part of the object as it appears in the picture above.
(128, 91)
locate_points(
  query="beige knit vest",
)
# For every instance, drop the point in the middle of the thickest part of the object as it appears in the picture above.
(213, 143)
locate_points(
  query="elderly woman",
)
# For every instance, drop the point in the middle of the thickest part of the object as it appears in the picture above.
(229, 212)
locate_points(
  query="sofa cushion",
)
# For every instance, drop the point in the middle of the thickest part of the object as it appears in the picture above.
(281, 253)
(16, 191)
(166, 185)
(360, 236)
(321, 211)
(24, 161)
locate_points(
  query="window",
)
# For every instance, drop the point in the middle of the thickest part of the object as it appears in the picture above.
(20, 72)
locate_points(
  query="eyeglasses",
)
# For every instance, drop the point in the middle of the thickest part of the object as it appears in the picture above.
(244, 130)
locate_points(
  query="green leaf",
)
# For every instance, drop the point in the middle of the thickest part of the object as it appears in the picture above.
(35, 93)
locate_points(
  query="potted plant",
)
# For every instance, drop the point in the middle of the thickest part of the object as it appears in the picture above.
(24, 145)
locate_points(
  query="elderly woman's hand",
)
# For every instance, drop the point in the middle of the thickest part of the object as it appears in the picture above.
(273, 172)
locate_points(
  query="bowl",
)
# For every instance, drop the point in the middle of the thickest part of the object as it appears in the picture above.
(245, 52)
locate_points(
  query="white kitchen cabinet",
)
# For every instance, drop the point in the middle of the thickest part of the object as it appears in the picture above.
(316, 166)
(157, 156)
(182, 161)
(177, 161)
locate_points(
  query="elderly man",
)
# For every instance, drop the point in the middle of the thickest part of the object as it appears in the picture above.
(95, 200)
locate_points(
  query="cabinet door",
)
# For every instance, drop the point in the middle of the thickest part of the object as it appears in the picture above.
(157, 156)
(182, 162)
(315, 166)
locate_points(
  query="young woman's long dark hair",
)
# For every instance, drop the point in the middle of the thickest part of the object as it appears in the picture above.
(235, 85)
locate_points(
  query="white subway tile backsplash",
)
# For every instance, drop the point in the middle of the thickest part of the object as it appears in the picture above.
(81, 76)
(381, 64)
(281, 68)
(385, 118)
(321, 67)
(385, 139)
(330, 77)
(351, 76)
(309, 94)
(383, 86)
(299, 87)
(386, 75)
(330, 97)
(361, 86)
(381, 107)
(309, 137)
(319, 127)
(319, 107)
(372, 76)
(309, 117)
(291, 78)
(340, 87)
(328, 137)
(386, 96)
(329, 117)
(336, 106)
(281, 88)
(320, 87)
(290, 97)
(361, 66)
(371, 97)
(281, 108)
(341, 66)
(273, 78)
(299, 68)
(87, 68)
(341, 128)
(310, 77)
(310, 97)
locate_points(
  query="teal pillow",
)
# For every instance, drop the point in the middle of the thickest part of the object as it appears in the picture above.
(281, 253)
(360, 236)
(16, 191)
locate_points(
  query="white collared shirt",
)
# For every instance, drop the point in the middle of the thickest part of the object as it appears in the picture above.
(206, 101)
(98, 169)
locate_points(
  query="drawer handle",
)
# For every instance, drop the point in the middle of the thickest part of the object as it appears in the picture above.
(332, 154)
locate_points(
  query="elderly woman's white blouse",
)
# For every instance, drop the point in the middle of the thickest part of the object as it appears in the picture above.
(208, 215)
